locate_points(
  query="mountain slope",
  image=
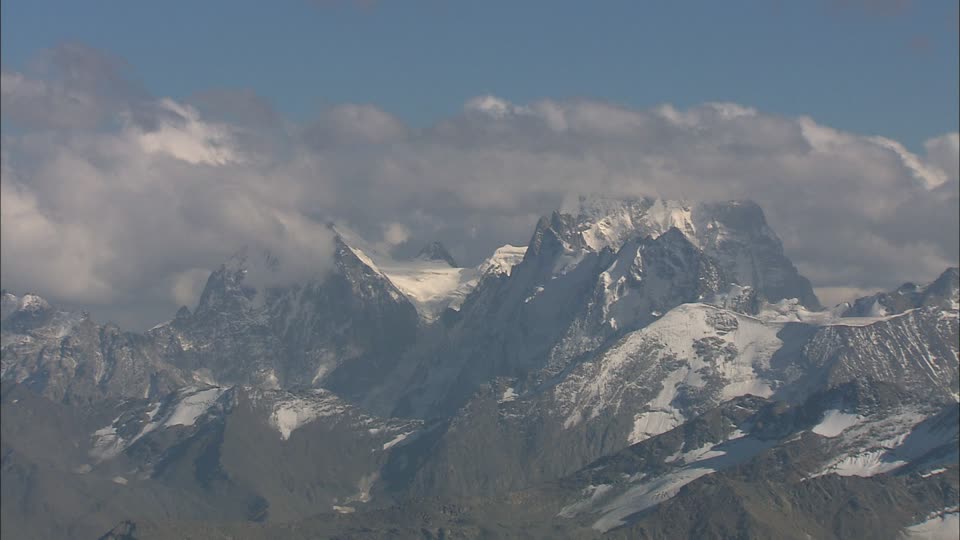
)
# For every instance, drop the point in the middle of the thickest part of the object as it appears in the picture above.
(639, 358)
(657, 378)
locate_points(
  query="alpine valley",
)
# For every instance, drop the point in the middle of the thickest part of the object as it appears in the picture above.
(641, 369)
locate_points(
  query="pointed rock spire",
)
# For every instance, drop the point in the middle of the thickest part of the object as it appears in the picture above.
(435, 251)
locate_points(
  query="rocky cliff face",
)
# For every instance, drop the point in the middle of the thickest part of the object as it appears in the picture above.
(67, 357)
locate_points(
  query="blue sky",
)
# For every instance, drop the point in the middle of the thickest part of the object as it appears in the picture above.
(883, 67)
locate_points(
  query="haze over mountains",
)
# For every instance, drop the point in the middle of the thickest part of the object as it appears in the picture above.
(643, 368)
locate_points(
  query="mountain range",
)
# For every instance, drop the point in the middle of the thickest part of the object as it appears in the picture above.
(642, 368)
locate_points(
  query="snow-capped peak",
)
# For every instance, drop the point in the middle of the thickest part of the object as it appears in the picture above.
(32, 303)
(606, 222)
(503, 260)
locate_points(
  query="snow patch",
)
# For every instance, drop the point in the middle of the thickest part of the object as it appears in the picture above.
(835, 422)
(536, 291)
(646, 495)
(670, 352)
(433, 286)
(159, 326)
(934, 472)
(502, 261)
(869, 463)
(193, 406)
(320, 374)
(364, 485)
(939, 527)
(649, 493)
(365, 259)
(32, 302)
(706, 451)
(106, 443)
(430, 285)
(882, 445)
(293, 412)
(396, 440)
(593, 494)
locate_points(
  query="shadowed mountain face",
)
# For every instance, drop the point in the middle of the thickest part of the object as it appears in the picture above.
(942, 293)
(643, 368)
(347, 326)
(435, 251)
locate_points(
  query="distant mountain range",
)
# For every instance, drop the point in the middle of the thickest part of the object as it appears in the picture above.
(641, 369)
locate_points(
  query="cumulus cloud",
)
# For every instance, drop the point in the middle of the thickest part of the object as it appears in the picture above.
(35, 102)
(125, 213)
(352, 124)
(944, 153)
(116, 198)
(187, 138)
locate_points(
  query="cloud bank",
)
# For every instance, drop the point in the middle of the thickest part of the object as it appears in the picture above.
(120, 201)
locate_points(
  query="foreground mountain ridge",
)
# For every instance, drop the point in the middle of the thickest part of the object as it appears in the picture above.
(620, 325)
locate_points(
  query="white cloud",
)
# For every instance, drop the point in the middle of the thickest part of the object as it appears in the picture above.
(134, 215)
(48, 103)
(125, 221)
(188, 139)
(492, 106)
(351, 124)
(930, 176)
(944, 152)
(48, 256)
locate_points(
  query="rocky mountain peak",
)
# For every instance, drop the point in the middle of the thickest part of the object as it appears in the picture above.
(25, 311)
(225, 287)
(554, 235)
(435, 251)
(942, 293)
(734, 233)
(652, 275)
(30, 303)
(183, 313)
(946, 288)
(737, 235)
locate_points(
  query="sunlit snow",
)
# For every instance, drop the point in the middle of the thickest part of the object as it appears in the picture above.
(834, 422)
(293, 412)
(396, 440)
(945, 526)
(192, 407)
